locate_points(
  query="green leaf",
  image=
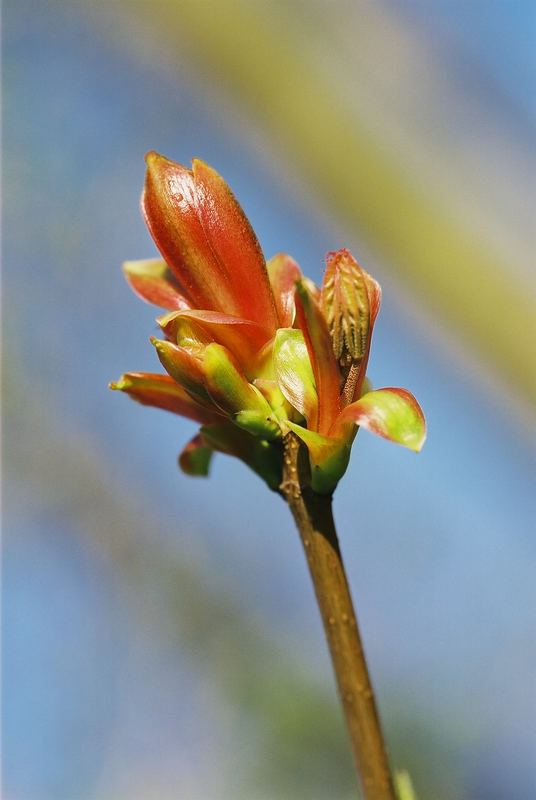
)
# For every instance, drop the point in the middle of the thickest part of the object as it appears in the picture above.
(391, 413)
(232, 392)
(328, 458)
(183, 368)
(294, 372)
(195, 458)
(277, 400)
(258, 423)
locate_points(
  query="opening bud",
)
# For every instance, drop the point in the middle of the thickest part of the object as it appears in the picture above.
(346, 307)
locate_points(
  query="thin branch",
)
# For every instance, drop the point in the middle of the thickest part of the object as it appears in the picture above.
(314, 519)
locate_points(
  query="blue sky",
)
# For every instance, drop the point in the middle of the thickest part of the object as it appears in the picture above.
(440, 548)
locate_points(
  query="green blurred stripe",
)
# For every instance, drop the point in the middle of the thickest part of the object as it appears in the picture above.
(258, 52)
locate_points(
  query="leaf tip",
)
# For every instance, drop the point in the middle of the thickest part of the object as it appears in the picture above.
(198, 165)
(151, 157)
(419, 442)
(155, 342)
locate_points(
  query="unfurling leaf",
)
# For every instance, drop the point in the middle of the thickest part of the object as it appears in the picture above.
(294, 373)
(391, 413)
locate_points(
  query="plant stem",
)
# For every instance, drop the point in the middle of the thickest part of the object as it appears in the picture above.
(314, 519)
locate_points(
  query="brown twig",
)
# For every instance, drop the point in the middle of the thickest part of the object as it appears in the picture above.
(313, 515)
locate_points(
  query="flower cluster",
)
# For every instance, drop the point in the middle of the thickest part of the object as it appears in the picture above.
(254, 350)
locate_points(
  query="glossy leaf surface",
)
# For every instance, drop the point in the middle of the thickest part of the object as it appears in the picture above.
(294, 373)
(205, 238)
(391, 413)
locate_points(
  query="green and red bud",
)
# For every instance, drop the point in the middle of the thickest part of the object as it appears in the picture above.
(350, 301)
(256, 350)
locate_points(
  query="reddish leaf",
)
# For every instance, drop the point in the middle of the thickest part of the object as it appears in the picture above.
(284, 272)
(243, 338)
(153, 281)
(375, 297)
(184, 368)
(207, 241)
(325, 368)
(161, 391)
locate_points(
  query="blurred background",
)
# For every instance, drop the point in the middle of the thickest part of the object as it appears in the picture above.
(160, 634)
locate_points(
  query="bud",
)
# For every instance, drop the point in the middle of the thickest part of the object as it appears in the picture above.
(207, 241)
(346, 306)
(254, 351)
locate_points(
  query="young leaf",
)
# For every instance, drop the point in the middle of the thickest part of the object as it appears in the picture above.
(391, 413)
